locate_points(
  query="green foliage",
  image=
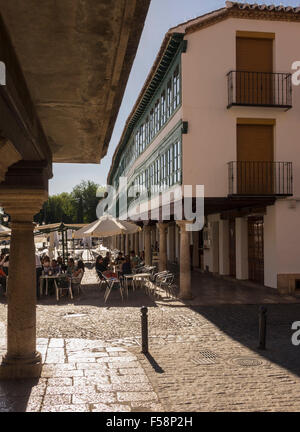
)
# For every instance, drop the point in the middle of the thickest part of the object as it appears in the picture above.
(79, 206)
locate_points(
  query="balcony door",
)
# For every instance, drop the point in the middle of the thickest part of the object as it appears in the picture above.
(254, 64)
(255, 155)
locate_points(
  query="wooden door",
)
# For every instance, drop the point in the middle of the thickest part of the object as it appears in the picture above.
(254, 65)
(256, 249)
(255, 154)
(232, 248)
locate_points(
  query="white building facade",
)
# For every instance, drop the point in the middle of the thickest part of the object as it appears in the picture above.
(219, 109)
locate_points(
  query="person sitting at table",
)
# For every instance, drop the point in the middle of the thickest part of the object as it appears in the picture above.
(79, 271)
(47, 266)
(100, 266)
(61, 264)
(55, 267)
(126, 267)
(71, 266)
(120, 259)
(106, 260)
(135, 260)
(77, 274)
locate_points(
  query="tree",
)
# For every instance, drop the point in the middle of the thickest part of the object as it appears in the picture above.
(79, 206)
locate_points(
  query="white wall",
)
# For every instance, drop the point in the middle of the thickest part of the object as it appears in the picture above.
(211, 140)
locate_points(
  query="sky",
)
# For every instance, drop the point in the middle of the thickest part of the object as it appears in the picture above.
(162, 15)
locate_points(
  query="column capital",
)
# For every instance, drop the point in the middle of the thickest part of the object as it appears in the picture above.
(22, 204)
(8, 156)
(182, 224)
(162, 225)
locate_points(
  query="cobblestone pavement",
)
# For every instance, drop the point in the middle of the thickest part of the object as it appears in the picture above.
(201, 358)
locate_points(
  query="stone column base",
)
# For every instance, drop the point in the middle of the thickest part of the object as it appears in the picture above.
(21, 367)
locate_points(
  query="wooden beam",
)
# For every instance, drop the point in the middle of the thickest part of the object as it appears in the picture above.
(247, 211)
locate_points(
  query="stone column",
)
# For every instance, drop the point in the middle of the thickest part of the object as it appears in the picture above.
(153, 236)
(21, 360)
(136, 243)
(162, 227)
(172, 242)
(127, 244)
(148, 253)
(196, 249)
(185, 262)
(123, 243)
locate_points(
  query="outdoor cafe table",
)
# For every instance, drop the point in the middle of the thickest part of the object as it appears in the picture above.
(46, 278)
(143, 277)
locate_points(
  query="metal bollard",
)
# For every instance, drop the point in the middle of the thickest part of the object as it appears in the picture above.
(144, 322)
(262, 327)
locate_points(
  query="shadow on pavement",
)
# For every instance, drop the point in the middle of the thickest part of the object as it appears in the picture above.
(14, 394)
(241, 323)
(153, 363)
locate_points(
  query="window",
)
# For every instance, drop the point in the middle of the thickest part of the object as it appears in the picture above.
(152, 132)
(177, 162)
(176, 88)
(157, 116)
(163, 108)
(169, 98)
(147, 134)
(170, 166)
(137, 144)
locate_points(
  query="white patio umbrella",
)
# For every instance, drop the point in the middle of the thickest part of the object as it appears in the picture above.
(107, 226)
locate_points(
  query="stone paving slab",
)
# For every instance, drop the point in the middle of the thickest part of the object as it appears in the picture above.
(106, 379)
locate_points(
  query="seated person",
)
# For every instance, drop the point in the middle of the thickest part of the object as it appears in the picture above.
(61, 264)
(47, 266)
(55, 267)
(106, 260)
(126, 267)
(79, 271)
(119, 259)
(71, 267)
(100, 266)
(78, 275)
(135, 260)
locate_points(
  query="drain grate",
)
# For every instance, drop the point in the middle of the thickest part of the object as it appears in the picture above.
(205, 358)
(246, 361)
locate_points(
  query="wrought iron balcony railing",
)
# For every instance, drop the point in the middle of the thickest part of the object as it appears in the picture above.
(259, 89)
(260, 178)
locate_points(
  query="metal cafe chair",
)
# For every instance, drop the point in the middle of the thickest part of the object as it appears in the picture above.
(110, 283)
